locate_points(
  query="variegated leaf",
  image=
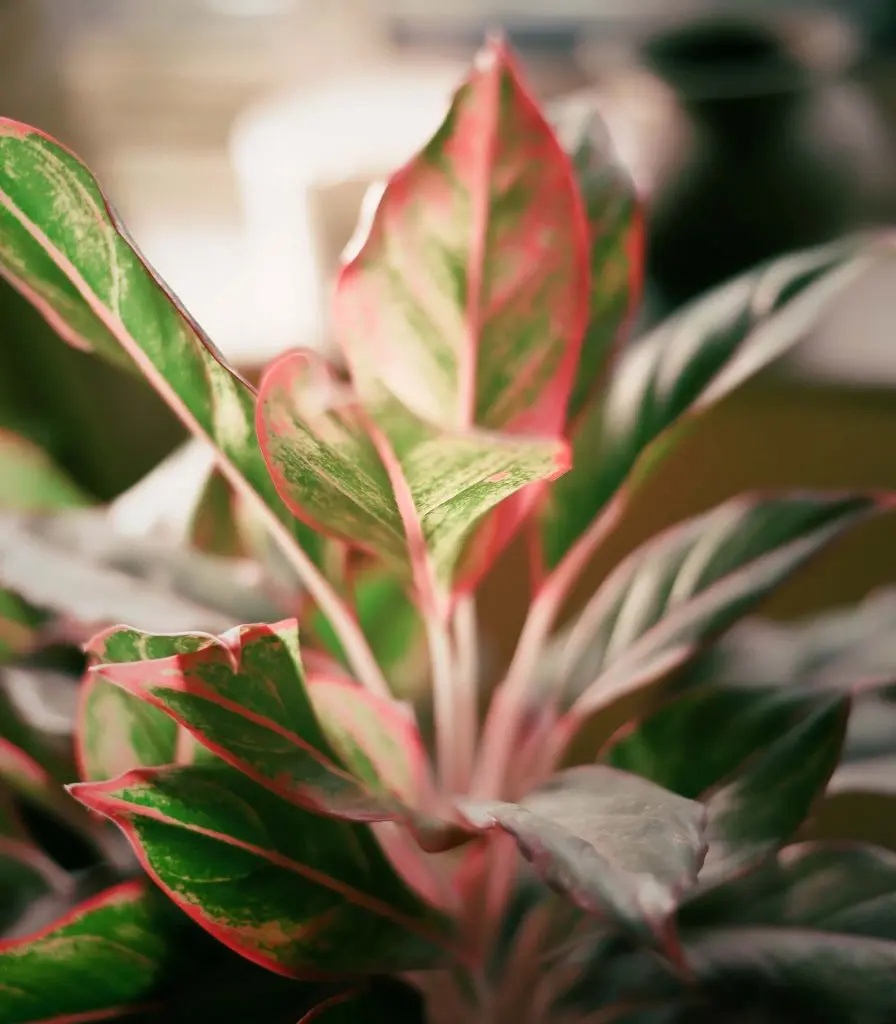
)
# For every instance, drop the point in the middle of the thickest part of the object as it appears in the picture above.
(688, 584)
(108, 955)
(469, 295)
(682, 368)
(616, 241)
(64, 249)
(116, 731)
(299, 893)
(244, 698)
(404, 489)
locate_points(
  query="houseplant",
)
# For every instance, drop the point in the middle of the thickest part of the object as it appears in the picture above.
(359, 858)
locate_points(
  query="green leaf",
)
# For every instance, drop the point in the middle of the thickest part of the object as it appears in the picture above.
(768, 801)
(292, 891)
(848, 647)
(846, 890)
(812, 975)
(616, 240)
(244, 698)
(614, 844)
(19, 623)
(77, 566)
(405, 490)
(116, 731)
(688, 584)
(468, 296)
(63, 248)
(111, 952)
(29, 481)
(727, 725)
(682, 368)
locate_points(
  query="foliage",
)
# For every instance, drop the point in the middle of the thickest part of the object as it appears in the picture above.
(302, 839)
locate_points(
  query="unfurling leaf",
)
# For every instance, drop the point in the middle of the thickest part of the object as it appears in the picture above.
(683, 367)
(63, 248)
(109, 953)
(690, 583)
(614, 844)
(616, 241)
(405, 490)
(299, 893)
(469, 296)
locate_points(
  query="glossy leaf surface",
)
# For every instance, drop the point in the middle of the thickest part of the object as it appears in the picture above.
(406, 490)
(244, 698)
(683, 367)
(108, 953)
(63, 248)
(116, 731)
(614, 844)
(691, 582)
(301, 894)
(468, 296)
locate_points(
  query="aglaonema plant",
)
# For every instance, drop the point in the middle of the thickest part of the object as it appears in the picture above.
(363, 857)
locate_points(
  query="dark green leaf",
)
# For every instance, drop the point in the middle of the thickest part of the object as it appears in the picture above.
(683, 367)
(110, 952)
(296, 892)
(688, 584)
(768, 801)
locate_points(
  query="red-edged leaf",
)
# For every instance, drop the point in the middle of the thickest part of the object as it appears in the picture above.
(301, 894)
(63, 248)
(616, 241)
(615, 844)
(96, 962)
(404, 489)
(469, 295)
(244, 698)
(117, 732)
(680, 369)
(690, 583)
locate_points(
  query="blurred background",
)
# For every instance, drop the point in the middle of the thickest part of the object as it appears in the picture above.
(237, 137)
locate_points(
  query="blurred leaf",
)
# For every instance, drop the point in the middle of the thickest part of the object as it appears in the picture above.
(616, 241)
(76, 566)
(392, 1004)
(296, 892)
(616, 845)
(688, 584)
(765, 804)
(109, 952)
(683, 367)
(29, 482)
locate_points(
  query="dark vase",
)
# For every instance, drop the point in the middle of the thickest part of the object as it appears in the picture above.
(782, 153)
